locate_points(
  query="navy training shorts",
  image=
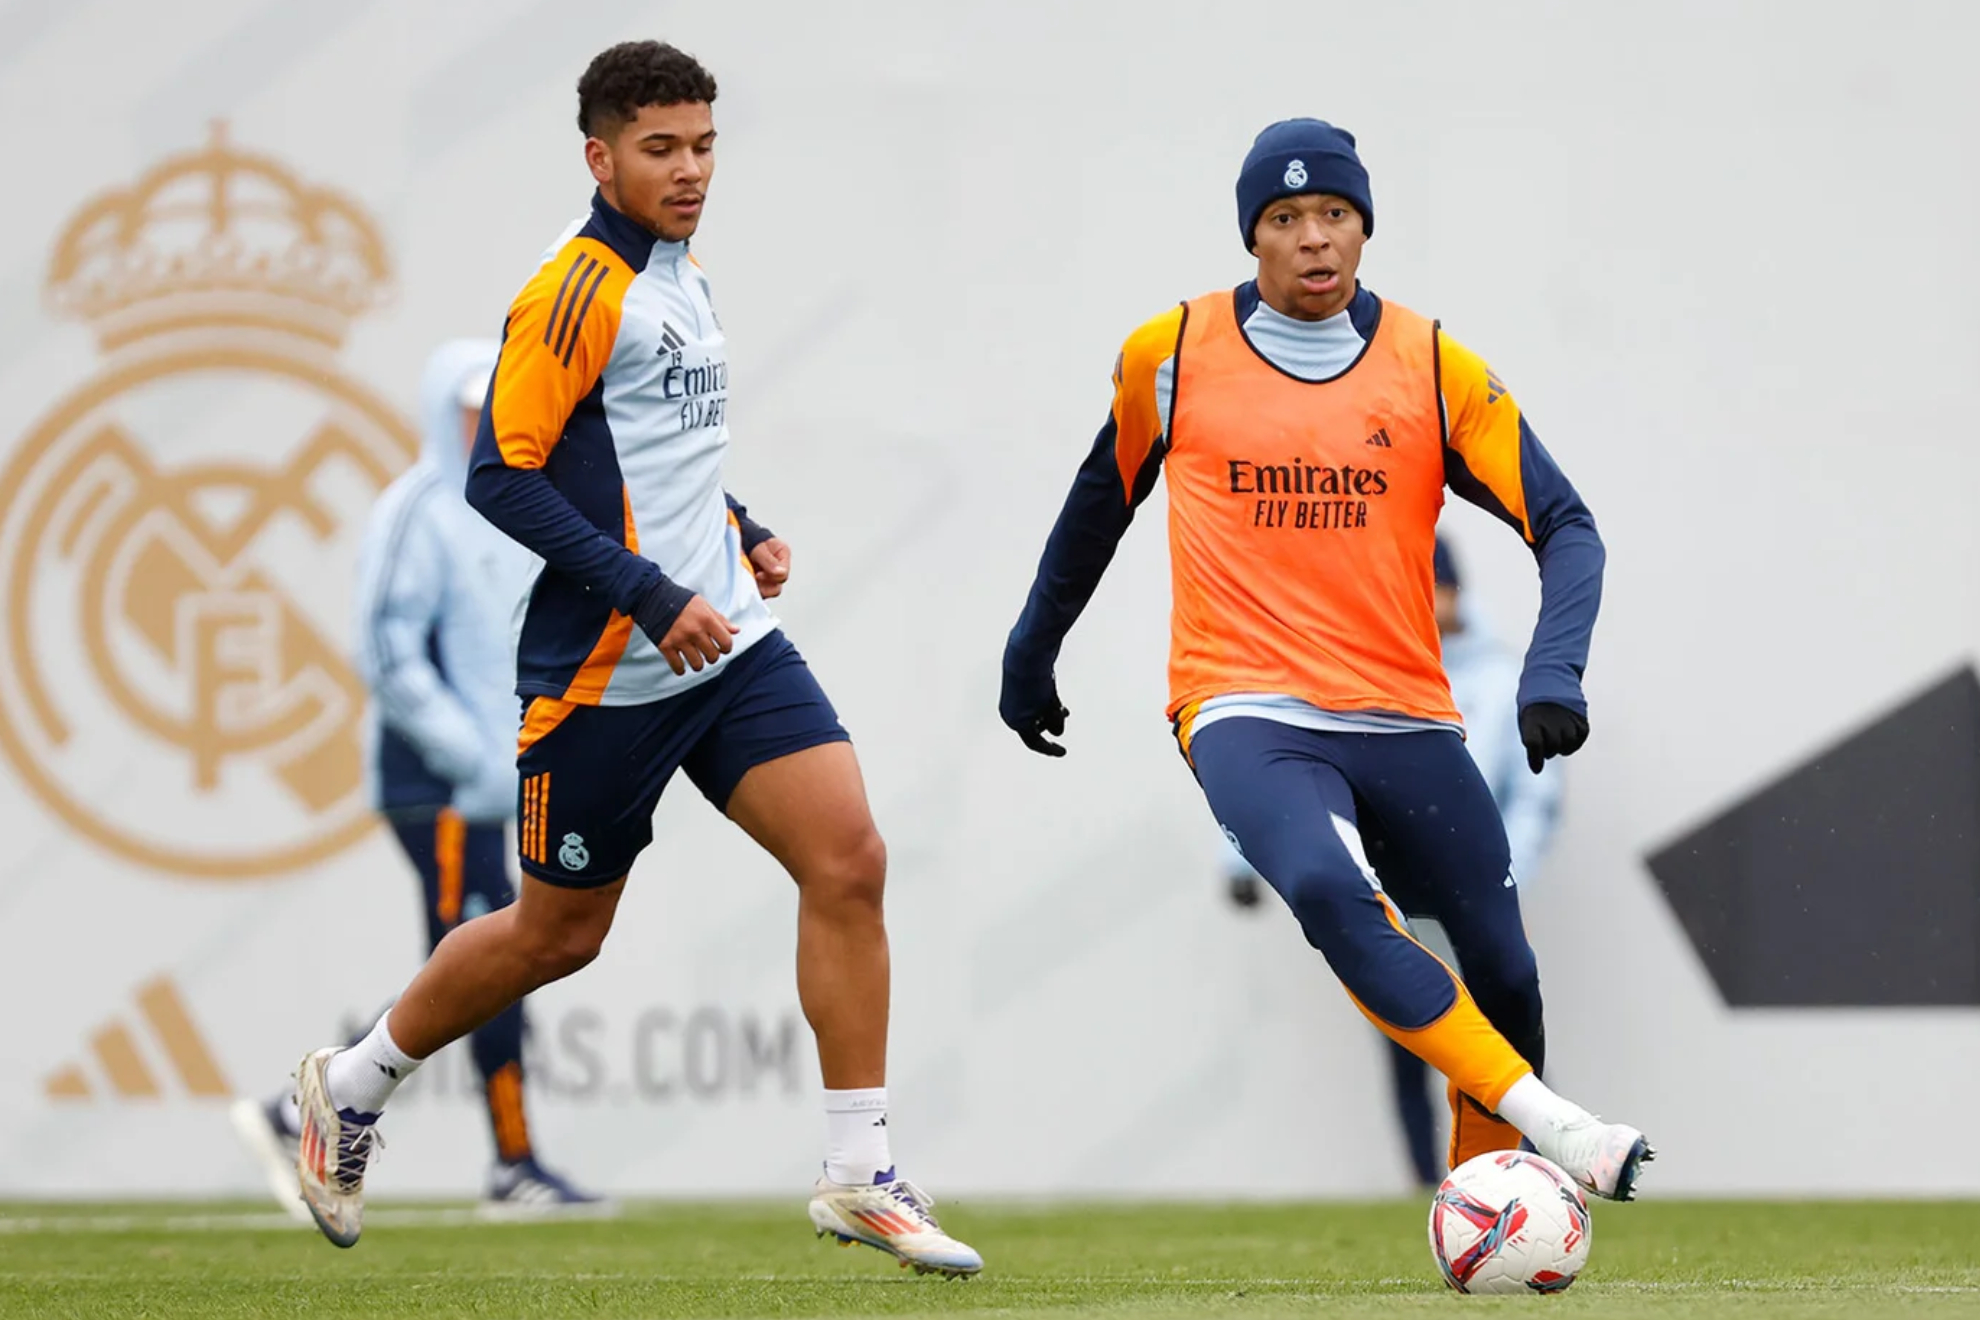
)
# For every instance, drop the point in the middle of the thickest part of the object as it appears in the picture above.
(589, 787)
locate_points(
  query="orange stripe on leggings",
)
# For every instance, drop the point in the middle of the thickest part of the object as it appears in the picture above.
(1461, 1044)
(1473, 1131)
(450, 854)
(505, 1113)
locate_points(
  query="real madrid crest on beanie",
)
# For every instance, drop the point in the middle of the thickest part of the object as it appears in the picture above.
(1295, 157)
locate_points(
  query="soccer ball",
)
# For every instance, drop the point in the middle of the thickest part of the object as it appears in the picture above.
(1509, 1222)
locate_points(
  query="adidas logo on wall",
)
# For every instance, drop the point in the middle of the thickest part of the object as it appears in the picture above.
(126, 1063)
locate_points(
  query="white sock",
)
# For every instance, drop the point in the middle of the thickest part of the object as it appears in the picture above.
(1536, 1111)
(363, 1077)
(856, 1136)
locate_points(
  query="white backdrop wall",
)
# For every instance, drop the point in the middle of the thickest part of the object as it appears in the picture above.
(1721, 251)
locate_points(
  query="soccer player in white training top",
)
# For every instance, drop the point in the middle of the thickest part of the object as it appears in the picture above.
(646, 647)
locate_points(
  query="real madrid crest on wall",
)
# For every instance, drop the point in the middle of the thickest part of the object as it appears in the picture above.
(178, 535)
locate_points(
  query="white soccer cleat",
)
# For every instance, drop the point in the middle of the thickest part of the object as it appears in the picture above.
(273, 1146)
(1604, 1158)
(893, 1216)
(331, 1153)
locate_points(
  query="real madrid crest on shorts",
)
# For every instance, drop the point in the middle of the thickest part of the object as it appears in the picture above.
(179, 533)
(574, 855)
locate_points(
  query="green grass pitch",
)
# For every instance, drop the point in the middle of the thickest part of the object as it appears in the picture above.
(1665, 1259)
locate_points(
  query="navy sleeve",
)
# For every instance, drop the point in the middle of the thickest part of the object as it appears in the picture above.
(1493, 459)
(1571, 557)
(1095, 516)
(753, 533)
(522, 503)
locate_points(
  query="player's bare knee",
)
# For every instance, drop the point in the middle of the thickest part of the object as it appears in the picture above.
(558, 953)
(852, 876)
(556, 948)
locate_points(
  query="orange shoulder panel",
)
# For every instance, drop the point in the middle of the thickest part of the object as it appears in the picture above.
(1484, 424)
(559, 336)
(1138, 420)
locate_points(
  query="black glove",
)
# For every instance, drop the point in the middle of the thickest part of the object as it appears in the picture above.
(1031, 706)
(1550, 730)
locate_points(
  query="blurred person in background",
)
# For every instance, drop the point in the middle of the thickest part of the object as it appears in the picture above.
(1484, 675)
(1309, 431)
(436, 587)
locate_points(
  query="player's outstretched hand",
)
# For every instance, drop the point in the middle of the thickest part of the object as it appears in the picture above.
(1549, 730)
(700, 636)
(772, 561)
(1033, 709)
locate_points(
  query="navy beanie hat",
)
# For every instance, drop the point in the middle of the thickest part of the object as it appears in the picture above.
(1295, 157)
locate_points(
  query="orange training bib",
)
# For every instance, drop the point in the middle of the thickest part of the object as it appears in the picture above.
(1302, 519)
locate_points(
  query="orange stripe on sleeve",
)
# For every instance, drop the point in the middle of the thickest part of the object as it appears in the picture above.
(1138, 423)
(545, 714)
(632, 524)
(589, 683)
(559, 335)
(1484, 425)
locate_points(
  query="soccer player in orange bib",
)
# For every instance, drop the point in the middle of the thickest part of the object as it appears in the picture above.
(1309, 429)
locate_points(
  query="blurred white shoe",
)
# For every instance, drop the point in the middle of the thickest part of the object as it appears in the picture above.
(260, 1126)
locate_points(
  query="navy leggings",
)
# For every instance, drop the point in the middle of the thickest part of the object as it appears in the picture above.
(464, 872)
(1333, 821)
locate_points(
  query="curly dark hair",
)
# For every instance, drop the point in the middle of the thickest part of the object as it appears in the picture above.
(632, 74)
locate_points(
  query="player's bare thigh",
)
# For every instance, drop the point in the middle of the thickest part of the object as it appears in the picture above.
(809, 811)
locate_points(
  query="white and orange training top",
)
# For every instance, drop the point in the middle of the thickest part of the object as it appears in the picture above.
(601, 450)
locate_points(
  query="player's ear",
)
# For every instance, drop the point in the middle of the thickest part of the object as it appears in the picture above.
(598, 156)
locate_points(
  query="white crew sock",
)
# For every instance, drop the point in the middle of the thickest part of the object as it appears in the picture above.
(1536, 1111)
(363, 1077)
(856, 1136)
